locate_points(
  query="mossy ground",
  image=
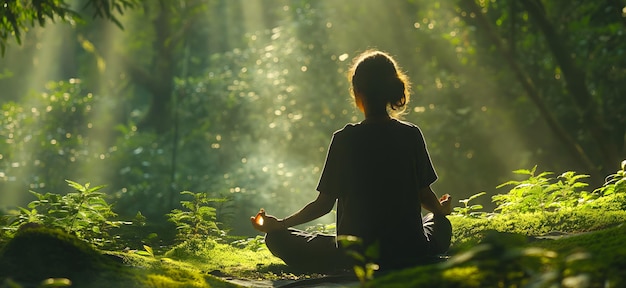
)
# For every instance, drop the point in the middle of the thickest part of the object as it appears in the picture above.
(504, 251)
(564, 249)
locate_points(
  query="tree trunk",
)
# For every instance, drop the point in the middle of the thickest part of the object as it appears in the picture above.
(531, 91)
(576, 84)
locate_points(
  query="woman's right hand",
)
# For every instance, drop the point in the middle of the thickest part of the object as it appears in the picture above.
(446, 204)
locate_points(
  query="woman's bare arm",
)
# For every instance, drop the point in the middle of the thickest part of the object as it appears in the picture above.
(430, 202)
(311, 211)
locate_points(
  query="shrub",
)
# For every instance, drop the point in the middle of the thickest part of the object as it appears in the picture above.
(84, 213)
(199, 219)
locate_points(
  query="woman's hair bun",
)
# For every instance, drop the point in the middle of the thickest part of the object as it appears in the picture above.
(376, 77)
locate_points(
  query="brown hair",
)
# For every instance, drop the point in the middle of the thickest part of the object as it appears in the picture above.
(376, 77)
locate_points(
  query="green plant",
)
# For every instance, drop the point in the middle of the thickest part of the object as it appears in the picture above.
(146, 252)
(322, 228)
(84, 213)
(542, 193)
(251, 243)
(199, 219)
(470, 210)
(614, 183)
(507, 260)
(365, 266)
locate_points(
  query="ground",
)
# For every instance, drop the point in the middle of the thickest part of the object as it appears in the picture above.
(591, 254)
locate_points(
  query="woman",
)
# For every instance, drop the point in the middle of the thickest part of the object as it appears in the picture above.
(379, 173)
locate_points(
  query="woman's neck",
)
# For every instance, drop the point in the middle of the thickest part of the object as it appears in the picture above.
(376, 117)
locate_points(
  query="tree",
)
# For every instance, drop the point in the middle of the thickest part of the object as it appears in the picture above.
(566, 103)
(17, 15)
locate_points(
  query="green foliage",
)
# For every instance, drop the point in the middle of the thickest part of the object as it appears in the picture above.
(84, 213)
(542, 193)
(50, 130)
(470, 210)
(322, 228)
(365, 266)
(508, 260)
(147, 251)
(17, 16)
(252, 243)
(194, 248)
(612, 193)
(5, 231)
(199, 219)
(503, 260)
(598, 255)
(614, 183)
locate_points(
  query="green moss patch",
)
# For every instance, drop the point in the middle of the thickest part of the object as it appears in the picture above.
(37, 254)
(486, 256)
(211, 256)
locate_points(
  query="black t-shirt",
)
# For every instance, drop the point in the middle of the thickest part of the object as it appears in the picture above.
(375, 170)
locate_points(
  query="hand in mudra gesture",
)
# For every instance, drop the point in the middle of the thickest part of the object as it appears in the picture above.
(266, 223)
(446, 204)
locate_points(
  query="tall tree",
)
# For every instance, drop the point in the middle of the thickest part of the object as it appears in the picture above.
(590, 123)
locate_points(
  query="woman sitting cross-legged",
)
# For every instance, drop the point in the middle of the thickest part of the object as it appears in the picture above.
(379, 174)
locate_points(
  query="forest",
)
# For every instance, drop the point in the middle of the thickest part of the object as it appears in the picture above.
(150, 131)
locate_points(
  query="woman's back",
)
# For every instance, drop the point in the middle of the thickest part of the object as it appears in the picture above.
(376, 170)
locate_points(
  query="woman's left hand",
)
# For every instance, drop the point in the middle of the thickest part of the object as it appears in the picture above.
(266, 223)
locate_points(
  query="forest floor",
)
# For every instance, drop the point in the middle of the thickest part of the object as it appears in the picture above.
(590, 256)
(552, 239)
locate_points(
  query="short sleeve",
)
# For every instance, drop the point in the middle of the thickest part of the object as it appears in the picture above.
(330, 180)
(426, 174)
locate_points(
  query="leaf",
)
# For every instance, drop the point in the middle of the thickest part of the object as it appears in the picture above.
(359, 272)
(476, 195)
(75, 185)
(512, 182)
(348, 240)
(56, 282)
(372, 251)
(143, 253)
(525, 171)
(94, 189)
(149, 250)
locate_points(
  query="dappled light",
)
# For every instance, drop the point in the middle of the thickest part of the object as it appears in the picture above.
(173, 122)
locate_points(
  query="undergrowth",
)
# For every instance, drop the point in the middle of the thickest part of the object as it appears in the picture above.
(541, 234)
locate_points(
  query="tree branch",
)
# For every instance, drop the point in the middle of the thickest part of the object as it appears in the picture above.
(531, 91)
(575, 83)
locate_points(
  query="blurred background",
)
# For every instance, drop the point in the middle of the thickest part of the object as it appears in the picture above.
(239, 99)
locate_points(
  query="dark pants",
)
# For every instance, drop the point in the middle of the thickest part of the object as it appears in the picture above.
(316, 252)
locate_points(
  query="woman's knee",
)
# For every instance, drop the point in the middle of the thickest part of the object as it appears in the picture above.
(441, 234)
(276, 241)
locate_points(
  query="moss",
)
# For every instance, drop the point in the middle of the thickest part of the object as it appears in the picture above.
(613, 202)
(500, 259)
(210, 256)
(600, 254)
(36, 254)
(467, 231)
(194, 248)
(166, 272)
